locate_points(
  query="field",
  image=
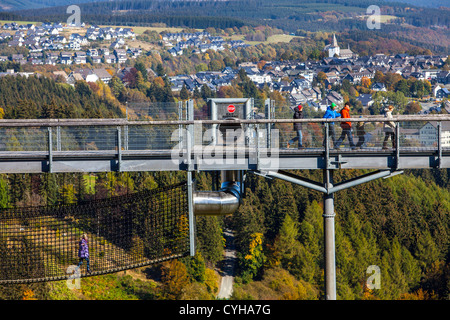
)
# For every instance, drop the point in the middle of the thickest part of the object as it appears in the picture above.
(384, 18)
(2, 22)
(272, 39)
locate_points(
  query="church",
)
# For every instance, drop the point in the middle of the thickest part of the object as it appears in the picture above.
(334, 50)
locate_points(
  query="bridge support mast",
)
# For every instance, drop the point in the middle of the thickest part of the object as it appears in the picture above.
(329, 238)
(328, 188)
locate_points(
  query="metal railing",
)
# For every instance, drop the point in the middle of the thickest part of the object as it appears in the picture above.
(420, 133)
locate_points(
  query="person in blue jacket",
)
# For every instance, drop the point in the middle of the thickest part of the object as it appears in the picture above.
(331, 113)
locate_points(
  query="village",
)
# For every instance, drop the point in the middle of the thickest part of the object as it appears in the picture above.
(297, 80)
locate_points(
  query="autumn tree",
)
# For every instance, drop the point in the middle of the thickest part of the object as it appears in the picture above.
(413, 107)
(174, 279)
(252, 260)
(365, 82)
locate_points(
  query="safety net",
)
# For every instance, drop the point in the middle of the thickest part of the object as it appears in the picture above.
(122, 232)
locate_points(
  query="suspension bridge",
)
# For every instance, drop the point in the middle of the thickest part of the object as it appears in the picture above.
(233, 137)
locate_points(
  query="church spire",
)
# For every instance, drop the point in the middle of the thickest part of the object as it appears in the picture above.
(335, 44)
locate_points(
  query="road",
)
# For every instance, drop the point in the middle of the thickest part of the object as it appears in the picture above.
(226, 285)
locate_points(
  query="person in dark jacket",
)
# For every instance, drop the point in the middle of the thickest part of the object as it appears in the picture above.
(331, 114)
(360, 132)
(298, 114)
(83, 252)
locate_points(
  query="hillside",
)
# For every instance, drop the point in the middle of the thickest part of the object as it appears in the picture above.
(425, 3)
(400, 225)
(399, 20)
(12, 5)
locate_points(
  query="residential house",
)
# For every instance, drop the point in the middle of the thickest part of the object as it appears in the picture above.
(441, 92)
(428, 134)
(61, 74)
(103, 75)
(379, 86)
(66, 58)
(110, 58)
(96, 59)
(443, 77)
(175, 51)
(301, 84)
(121, 55)
(92, 52)
(87, 74)
(354, 77)
(365, 99)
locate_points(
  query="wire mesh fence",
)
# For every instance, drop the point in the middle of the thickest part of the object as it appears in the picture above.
(413, 135)
(42, 243)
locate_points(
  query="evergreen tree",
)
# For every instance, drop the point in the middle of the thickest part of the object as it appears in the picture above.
(210, 241)
(4, 193)
(184, 93)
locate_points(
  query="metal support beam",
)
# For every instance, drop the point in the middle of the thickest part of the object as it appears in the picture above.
(329, 238)
(358, 180)
(297, 180)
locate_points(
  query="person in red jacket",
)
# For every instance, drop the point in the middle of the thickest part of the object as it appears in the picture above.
(346, 128)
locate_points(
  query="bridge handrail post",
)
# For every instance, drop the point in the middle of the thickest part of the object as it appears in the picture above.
(180, 126)
(58, 138)
(119, 148)
(439, 143)
(327, 145)
(50, 149)
(190, 188)
(397, 145)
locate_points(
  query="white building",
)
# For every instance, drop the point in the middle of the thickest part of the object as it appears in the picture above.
(428, 134)
(333, 49)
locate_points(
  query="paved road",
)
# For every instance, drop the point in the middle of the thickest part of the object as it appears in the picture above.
(226, 285)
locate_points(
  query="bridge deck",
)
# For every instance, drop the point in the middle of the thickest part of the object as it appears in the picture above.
(240, 158)
(100, 145)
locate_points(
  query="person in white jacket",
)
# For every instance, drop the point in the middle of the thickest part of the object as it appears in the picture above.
(389, 128)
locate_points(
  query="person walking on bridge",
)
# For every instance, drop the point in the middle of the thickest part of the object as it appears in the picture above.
(388, 128)
(360, 132)
(331, 114)
(83, 252)
(346, 128)
(298, 114)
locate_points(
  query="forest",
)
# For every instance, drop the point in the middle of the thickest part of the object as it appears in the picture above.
(250, 10)
(399, 224)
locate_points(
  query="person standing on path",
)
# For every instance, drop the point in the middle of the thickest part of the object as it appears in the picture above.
(388, 128)
(83, 252)
(346, 128)
(298, 114)
(331, 114)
